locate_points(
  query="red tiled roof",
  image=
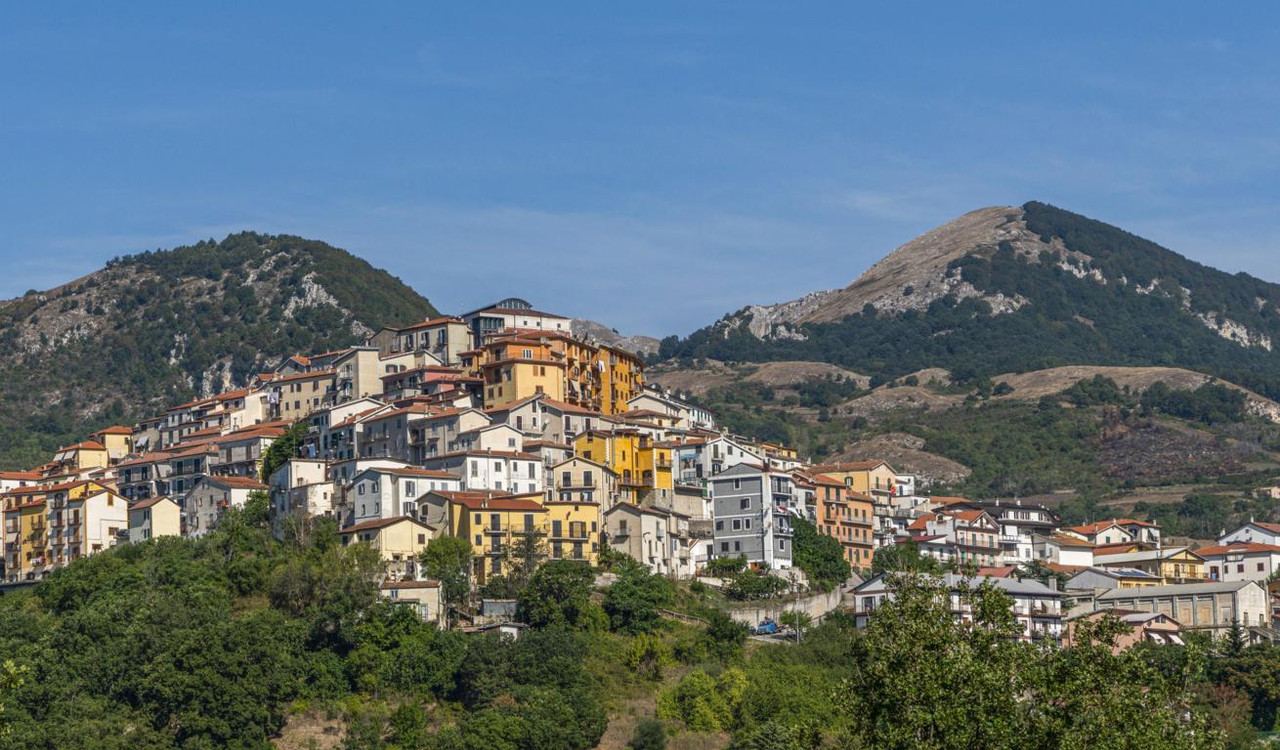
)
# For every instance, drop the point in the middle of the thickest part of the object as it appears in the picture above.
(1237, 547)
(88, 445)
(30, 476)
(416, 472)
(431, 322)
(484, 501)
(237, 483)
(114, 430)
(143, 504)
(380, 523)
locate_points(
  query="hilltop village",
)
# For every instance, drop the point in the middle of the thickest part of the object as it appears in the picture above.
(502, 428)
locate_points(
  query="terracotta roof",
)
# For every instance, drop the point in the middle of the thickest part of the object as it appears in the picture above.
(1004, 571)
(1274, 528)
(380, 523)
(1068, 569)
(237, 483)
(1238, 547)
(921, 523)
(147, 503)
(964, 515)
(229, 395)
(32, 476)
(1097, 526)
(482, 501)
(88, 445)
(114, 430)
(416, 472)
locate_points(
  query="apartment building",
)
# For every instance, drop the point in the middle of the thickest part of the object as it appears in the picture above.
(754, 507)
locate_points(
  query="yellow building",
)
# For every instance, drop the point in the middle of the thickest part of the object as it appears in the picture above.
(495, 525)
(154, 517)
(874, 478)
(87, 455)
(515, 365)
(118, 441)
(1170, 564)
(623, 378)
(573, 531)
(643, 466)
(399, 541)
(26, 536)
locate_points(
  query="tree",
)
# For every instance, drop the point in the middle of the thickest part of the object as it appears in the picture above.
(820, 556)
(448, 559)
(633, 601)
(724, 636)
(559, 593)
(650, 734)
(283, 448)
(904, 557)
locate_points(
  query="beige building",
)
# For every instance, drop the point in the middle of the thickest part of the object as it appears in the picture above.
(118, 441)
(422, 596)
(1212, 606)
(399, 541)
(155, 517)
(204, 505)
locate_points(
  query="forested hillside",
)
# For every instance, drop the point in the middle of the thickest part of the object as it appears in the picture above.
(152, 330)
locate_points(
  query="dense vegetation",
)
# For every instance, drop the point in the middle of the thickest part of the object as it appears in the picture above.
(217, 642)
(1070, 320)
(153, 330)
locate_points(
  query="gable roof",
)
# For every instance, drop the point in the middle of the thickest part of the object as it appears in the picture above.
(1240, 547)
(382, 523)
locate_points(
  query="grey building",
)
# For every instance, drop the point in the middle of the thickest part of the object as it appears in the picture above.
(753, 508)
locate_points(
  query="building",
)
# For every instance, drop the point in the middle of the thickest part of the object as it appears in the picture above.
(386, 492)
(1019, 524)
(84, 518)
(753, 511)
(118, 441)
(844, 515)
(204, 505)
(496, 525)
(1241, 561)
(1261, 533)
(1170, 564)
(1210, 606)
(582, 480)
(960, 535)
(1062, 549)
(658, 538)
(512, 472)
(399, 541)
(1036, 606)
(154, 517)
(573, 530)
(688, 416)
(1144, 627)
(1115, 531)
(642, 464)
(508, 314)
(1110, 579)
(422, 596)
(294, 397)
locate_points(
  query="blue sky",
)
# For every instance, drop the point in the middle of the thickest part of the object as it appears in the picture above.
(653, 166)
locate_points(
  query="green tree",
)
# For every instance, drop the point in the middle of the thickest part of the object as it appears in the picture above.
(650, 734)
(448, 559)
(283, 448)
(820, 556)
(902, 558)
(559, 594)
(633, 601)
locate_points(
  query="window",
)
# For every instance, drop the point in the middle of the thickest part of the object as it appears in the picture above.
(737, 484)
(737, 524)
(746, 523)
(477, 520)
(744, 503)
(724, 546)
(737, 546)
(719, 525)
(409, 488)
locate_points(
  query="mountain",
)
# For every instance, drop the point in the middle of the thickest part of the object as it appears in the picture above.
(603, 334)
(1016, 289)
(154, 329)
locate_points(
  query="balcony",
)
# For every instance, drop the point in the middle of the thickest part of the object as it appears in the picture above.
(579, 484)
(496, 530)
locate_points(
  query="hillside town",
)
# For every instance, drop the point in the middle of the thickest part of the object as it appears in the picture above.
(503, 428)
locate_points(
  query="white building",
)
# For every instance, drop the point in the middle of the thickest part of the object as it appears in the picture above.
(1037, 607)
(1241, 561)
